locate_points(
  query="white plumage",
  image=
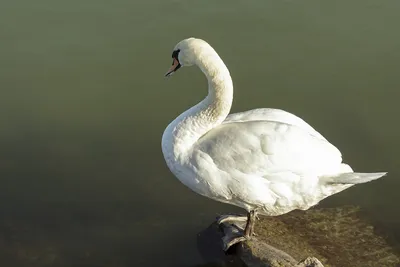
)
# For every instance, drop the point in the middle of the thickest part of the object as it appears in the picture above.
(266, 161)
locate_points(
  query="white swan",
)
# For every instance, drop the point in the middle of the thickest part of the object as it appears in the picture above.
(266, 161)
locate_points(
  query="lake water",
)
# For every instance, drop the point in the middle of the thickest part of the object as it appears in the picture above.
(84, 103)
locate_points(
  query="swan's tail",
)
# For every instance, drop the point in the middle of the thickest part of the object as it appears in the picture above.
(353, 178)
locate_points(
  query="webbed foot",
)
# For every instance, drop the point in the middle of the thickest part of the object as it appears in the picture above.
(239, 221)
(236, 228)
(229, 241)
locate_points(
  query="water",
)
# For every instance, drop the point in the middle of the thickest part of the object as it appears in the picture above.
(84, 104)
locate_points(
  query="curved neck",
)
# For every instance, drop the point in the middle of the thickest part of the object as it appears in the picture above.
(187, 128)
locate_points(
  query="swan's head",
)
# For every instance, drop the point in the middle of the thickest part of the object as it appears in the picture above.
(186, 53)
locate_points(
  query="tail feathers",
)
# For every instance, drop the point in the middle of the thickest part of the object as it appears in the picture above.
(353, 177)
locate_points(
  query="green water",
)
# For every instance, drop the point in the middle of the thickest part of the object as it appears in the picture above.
(84, 104)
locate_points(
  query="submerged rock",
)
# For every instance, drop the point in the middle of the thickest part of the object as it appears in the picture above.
(331, 237)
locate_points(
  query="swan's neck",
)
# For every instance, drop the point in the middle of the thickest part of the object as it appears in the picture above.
(180, 136)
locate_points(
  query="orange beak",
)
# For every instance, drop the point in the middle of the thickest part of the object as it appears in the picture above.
(174, 67)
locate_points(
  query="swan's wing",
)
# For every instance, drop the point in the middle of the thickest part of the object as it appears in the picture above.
(264, 148)
(274, 115)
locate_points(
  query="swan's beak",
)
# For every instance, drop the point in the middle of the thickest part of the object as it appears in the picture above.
(175, 66)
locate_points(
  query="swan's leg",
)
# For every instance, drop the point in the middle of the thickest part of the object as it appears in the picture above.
(249, 230)
(234, 238)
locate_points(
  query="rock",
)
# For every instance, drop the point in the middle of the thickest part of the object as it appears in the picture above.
(333, 237)
(310, 262)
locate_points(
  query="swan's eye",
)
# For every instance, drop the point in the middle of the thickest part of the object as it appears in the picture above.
(175, 54)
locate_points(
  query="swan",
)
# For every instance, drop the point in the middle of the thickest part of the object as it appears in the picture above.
(266, 161)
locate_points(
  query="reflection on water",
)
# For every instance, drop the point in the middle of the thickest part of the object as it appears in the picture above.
(84, 104)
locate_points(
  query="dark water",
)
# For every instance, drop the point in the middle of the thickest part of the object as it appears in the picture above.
(84, 104)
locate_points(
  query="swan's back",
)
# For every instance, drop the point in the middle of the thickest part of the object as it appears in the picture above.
(262, 147)
(273, 115)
